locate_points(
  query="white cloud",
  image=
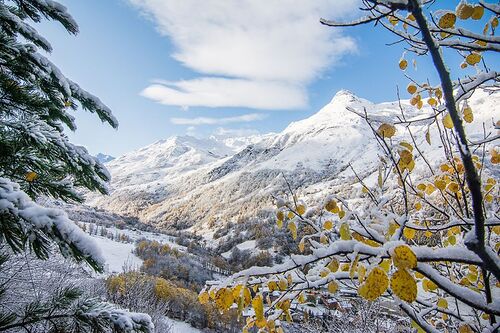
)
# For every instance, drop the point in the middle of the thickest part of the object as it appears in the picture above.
(218, 121)
(219, 92)
(276, 43)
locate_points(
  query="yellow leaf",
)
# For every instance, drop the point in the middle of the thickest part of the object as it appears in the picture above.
(406, 145)
(409, 233)
(411, 88)
(386, 130)
(283, 284)
(361, 273)
(447, 122)
(429, 189)
(478, 12)
(393, 20)
(418, 206)
(473, 58)
(464, 10)
(453, 187)
(354, 267)
(323, 239)
(440, 184)
(224, 299)
(345, 232)
(468, 115)
(279, 223)
(404, 285)
(291, 215)
(403, 64)
(333, 266)
(442, 303)
(203, 297)
(428, 136)
(494, 22)
(464, 328)
(293, 229)
(385, 265)
(376, 284)
(380, 179)
(341, 214)
(432, 101)
(447, 21)
(429, 285)
(421, 187)
(301, 209)
(332, 206)
(403, 257)
(332, 287)
(328, 225)
(258, 307)
(302, 245)
(31, 176)
(439, 93)
(280, 215)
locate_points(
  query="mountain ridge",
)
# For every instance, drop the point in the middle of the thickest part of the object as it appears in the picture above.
(200, 182)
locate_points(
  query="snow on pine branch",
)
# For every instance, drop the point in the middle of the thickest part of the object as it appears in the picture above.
(54, 223)
(27, 31)
(123, 320)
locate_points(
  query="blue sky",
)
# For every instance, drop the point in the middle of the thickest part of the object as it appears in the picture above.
(134, 54)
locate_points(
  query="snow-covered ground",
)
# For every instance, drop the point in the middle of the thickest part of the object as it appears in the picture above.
(247, 245)
(117, 255)
(181, 327)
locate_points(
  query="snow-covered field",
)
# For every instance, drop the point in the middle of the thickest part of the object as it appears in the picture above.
(181, 327)
(117, 255)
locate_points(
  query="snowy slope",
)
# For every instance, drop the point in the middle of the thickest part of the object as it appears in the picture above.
(183, 181)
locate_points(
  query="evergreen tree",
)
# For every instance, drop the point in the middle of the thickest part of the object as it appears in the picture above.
(36, 101)
(37, 159)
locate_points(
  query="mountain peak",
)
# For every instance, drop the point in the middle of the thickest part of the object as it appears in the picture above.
(344, 95)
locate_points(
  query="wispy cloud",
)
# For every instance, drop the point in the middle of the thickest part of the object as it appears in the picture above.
(218, 92)
(275, 45)
(218, 121)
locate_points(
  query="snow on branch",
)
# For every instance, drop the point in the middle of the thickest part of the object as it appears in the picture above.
(34, 219)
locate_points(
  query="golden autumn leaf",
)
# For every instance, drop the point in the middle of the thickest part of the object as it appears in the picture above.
(31, 176)
(345, 231)
(403, 64)
(333, 265)
(403, 257)
(447, 21)
(478, 12)
(464, 10)
(473, 58)
(203, 297)
(404, 286)
(376, 284)
(447, 122)
(386, 130)
(332, 287)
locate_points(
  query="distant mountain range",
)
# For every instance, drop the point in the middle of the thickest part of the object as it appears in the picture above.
(186, 182)
(103, 158)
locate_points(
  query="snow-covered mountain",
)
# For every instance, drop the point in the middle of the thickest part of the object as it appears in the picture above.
(183, 181)
(103, 158)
